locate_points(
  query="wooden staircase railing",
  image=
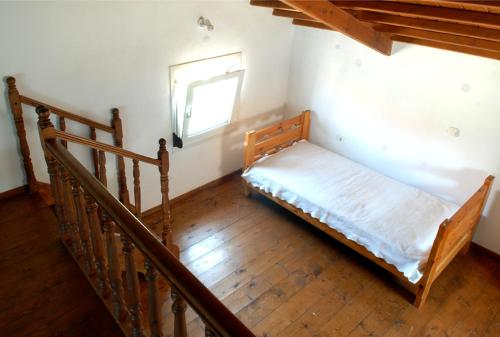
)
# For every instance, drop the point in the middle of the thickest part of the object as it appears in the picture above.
(16, 101)
(90, 219)
(162, 162)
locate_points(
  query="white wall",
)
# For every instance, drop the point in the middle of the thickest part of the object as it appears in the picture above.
(91, 56)
(393, 114)
(390, 113)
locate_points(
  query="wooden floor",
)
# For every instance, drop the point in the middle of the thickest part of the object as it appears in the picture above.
(42, 291)
(281, 276)
(284, 278)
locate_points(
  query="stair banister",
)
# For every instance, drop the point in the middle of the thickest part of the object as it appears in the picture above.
(16, 100)
(219, 320)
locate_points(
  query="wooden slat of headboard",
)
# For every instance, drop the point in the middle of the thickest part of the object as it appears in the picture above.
(279, 127)
(285, 137)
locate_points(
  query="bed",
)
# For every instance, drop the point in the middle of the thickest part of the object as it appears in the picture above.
(411, 233)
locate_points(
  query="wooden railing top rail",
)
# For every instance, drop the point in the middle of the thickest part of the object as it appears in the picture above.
(210, 309)
(105, 147)
(66, 114)
(16, 101)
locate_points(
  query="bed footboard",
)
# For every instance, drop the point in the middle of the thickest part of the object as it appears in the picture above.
(454, 235)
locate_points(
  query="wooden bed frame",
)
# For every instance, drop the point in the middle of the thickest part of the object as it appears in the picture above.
(454, 234)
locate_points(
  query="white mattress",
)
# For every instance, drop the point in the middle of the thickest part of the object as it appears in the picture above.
(394, 221)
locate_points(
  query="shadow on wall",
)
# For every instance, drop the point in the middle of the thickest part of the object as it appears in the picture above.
(487, 230)
(455, 185)
(397, 47)
(460, 186)
(234, 136)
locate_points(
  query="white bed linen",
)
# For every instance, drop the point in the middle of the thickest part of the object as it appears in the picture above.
(394, 221)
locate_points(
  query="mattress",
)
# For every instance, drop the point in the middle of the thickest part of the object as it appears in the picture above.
(394, 221)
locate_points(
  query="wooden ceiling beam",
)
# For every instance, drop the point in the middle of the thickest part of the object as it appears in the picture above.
(446, 46)
(461, 41)
(427, 43)
(270, 4)
(482, 6)
(482, 19)
(311, 24)
(330, 15)
(431, 25)
(291, 14)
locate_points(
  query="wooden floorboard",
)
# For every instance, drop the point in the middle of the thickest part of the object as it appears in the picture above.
(278, 274)
(284, 278)
(42, 290)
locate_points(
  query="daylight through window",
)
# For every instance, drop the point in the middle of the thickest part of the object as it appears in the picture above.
(204, 96)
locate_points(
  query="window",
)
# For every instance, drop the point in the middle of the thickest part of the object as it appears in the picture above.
(204, 96)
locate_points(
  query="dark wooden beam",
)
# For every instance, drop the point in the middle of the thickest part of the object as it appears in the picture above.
(311, 24)
(482, 19)
(446, 46)
(440, 37)
(330, 15)
(482, 6)
(270, 4)
(292, 14)
(431, 25)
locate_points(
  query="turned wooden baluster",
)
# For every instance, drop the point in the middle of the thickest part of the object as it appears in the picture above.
(116, 122)
(95, 159)
(102, 168)
(56, 188)
(83, 226)
(62, 127)
(166, 234)
(98, 245)
(115, 278)
(154, 307)
(76, 242)
(179, 309)
(137, 188)
(46, 130)
(134, 296)
(17, 113)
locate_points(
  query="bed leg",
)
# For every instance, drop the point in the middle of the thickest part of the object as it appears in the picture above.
(247, 190)
(421, 296)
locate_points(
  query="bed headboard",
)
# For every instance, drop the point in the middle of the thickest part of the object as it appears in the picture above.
(273, 138)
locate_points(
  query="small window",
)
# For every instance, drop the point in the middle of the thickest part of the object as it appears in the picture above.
(204, 96)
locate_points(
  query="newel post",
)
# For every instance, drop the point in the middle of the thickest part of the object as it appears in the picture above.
(45, 126)
(166, 233)
(17, 113)
(116, 122)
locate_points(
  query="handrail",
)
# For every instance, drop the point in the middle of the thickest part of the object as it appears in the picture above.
(105, 147)
(16, 102)
(211, 310)
(66, 114)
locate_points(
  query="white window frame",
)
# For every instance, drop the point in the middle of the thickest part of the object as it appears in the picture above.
(185, 74)
(189, 99)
